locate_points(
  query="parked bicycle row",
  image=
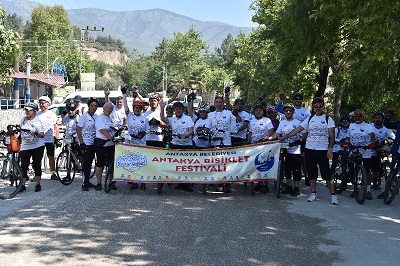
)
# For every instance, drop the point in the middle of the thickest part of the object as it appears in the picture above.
(313, 136)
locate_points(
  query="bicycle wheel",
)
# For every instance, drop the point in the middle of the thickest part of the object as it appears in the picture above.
(383, 173)
(279, 180)
(252, 188)
(392, 187)
(11, 182)
(360, 184)
(108, 178)
(338, 176)
(66, 167)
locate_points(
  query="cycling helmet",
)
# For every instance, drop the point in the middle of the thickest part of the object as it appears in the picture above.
(45, 98)
(31, 106)
(177, 104)
(93, 99)
(248, 106)
(260, 105)
(154, 96)
(137, 103)
(71, 106)
(288, 106)
(269, 108)
(379, 113)
(298, 95)
(203, 106)
(345, 118)
(318, 100)
(169, 109)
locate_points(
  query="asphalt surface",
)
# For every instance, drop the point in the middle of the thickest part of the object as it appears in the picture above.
(62, 225)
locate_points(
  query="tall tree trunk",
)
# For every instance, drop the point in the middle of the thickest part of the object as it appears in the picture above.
(322, 79)
(338, 101)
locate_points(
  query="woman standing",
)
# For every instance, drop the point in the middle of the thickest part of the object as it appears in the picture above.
(32, 144)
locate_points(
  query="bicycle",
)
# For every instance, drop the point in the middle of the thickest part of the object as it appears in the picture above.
(108, 183)
(11, 179)
(67, 163)
(382, 152)
(349, 168)
(392, 187)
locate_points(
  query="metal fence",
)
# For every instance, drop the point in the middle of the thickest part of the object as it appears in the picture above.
(6, 103)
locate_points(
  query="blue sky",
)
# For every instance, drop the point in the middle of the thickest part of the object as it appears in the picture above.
(234, 12)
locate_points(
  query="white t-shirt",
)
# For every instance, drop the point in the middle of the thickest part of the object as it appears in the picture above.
(29, 140)
(137, 124)
(154, 128)
(70, 126)
(48, 119)
(301, 114)
(381, 134)
(318, 135)
(284, 128)
(243, 133)
(222, 121)
(105, 122)
(259, 128)
(181, 126)
(201, 123)
(340, 134)
(360, 136)
(88, 125)
(118, 116)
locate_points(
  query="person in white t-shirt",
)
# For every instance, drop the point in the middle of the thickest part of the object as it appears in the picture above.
(182, 132)
(222, 124)
(32, 144)
(382, 134)
(239, 133)
(51, 131)
(362, 134)
(86, 133)
(118, 116)
(202, 126)
(293, 156)
(319, 143)
(341, 135)
(260, 127)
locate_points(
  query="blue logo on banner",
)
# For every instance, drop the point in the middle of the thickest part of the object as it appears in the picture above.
(264, 161)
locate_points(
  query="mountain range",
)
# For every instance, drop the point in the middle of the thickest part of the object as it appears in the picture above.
(142, 30)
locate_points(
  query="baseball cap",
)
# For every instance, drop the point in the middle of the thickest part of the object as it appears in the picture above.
(77, 98)
(45, 98)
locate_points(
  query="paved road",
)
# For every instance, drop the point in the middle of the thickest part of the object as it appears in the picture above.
(65, 226)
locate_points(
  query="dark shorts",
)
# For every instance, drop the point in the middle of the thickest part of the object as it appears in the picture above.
(50, 149)
(315, 159)
(375, 163)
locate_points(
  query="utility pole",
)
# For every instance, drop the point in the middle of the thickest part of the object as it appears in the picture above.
(83, 32)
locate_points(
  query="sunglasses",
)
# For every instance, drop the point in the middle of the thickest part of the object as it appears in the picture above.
(359, 115)
(202, 111)
(288, 111)
(344, 121)
(298, 99)
(318, 106)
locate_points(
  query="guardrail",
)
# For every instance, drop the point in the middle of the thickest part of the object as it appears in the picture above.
(12, 103)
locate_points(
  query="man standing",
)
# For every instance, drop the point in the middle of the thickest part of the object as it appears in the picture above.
(51, 130)
(118, 116)
(318, 151)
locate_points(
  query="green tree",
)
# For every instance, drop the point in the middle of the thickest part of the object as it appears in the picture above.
(8, 48)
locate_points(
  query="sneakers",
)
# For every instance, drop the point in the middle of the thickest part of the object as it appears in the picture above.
(381, 196)
(54, 177)
(265, 189)
(143, 186)
(38, 188)
(312, 197)
(85, 188)
(113, 186)
(369, 195)
(23, 188)
(353, 194)
(334, 200)
(287, 190)
(98, 187)
(295, 192)
(90, 185)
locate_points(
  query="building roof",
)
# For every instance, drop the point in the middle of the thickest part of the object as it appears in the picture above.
(48, 79)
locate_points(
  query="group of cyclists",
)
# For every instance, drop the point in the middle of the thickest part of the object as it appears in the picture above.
(313, 137)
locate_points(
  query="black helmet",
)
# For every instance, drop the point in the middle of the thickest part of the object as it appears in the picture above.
(93, 99)
(318, 100)
(288, 105)
(345, 118)
(259, 105)
(177, 104)
(238, 101)
(71, 106)
(298, 95)
(379, 113)
(31, 106)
